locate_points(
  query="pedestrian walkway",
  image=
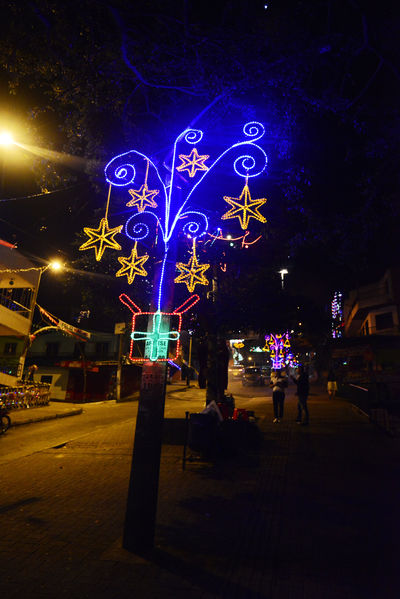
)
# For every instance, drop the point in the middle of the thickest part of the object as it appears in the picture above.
(312, 513)
(42, 413)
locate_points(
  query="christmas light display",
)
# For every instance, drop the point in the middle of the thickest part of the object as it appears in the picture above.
(156, 340)
(133, 265)
(337, 315)
(244, 208)
(278, 347)
(102, 237)
(192, 274)
(171, 215)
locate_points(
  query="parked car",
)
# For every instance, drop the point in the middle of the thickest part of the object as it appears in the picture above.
(235, 371)
(253, 375)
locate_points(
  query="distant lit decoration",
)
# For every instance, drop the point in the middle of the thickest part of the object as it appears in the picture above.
(193, 162)
(192, 274)
(244, 208)
(337, 315)
(156, 330)
(238, 345)
(143, 197)
(102, 237)
(279, 349)
(132, 266)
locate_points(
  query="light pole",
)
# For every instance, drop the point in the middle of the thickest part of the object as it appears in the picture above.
(55, 266)
(6, 140)
(283, 272)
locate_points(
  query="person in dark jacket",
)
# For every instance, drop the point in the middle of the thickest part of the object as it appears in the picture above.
(303, 389)
(278, 383)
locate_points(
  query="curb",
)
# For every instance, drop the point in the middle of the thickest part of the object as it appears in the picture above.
(48, 417)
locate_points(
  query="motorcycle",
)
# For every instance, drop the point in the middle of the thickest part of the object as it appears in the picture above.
(5, 421)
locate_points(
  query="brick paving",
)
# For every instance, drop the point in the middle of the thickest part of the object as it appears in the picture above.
(312, 512)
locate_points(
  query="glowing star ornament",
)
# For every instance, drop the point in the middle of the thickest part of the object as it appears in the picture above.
(192, 163)
(244, 208)
(101, 238)
(132, 266)
(192, 274)
(143, 197)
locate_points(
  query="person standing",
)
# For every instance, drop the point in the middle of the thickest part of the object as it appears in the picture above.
(331, 384)
(303, 389)
(278, 382)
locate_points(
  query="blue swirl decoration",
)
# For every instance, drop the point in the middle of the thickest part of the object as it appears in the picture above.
(120, 171)
(254, 129)
(191, 136)
(142, 224)
(194, 224)
(252, 163)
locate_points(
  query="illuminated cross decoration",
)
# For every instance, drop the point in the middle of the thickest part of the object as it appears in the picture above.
(156, 345)
(157, 339)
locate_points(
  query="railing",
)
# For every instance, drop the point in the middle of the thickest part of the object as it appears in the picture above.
(377, 402)
(24, 396)
(10, 302)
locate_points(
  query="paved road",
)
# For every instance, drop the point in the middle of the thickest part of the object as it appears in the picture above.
(25, 440)
(311, 514)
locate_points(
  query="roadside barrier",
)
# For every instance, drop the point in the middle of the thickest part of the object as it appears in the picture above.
(29, 395)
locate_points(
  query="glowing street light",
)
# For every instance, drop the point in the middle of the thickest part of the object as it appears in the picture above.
(56, 265)
(283, 272)
(6, 139)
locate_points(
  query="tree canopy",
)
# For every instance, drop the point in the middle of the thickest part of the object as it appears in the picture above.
(94, 79)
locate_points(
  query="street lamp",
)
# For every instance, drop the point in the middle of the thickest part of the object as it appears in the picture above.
(55, 266)
(6, 139)
(283, 272)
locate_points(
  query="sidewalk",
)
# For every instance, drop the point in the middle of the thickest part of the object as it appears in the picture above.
(58, 409)
(313, 513)
(50, 412)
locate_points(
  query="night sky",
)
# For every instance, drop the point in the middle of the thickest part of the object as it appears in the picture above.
(322, 76)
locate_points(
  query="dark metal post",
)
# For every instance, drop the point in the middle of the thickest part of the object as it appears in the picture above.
(141, 508)
(140, 518)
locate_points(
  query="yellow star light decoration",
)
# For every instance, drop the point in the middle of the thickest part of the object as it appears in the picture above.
(101, 238)
(133, 265)
(192, 274)
(143, 197)
(192, 163)
(244, 208)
